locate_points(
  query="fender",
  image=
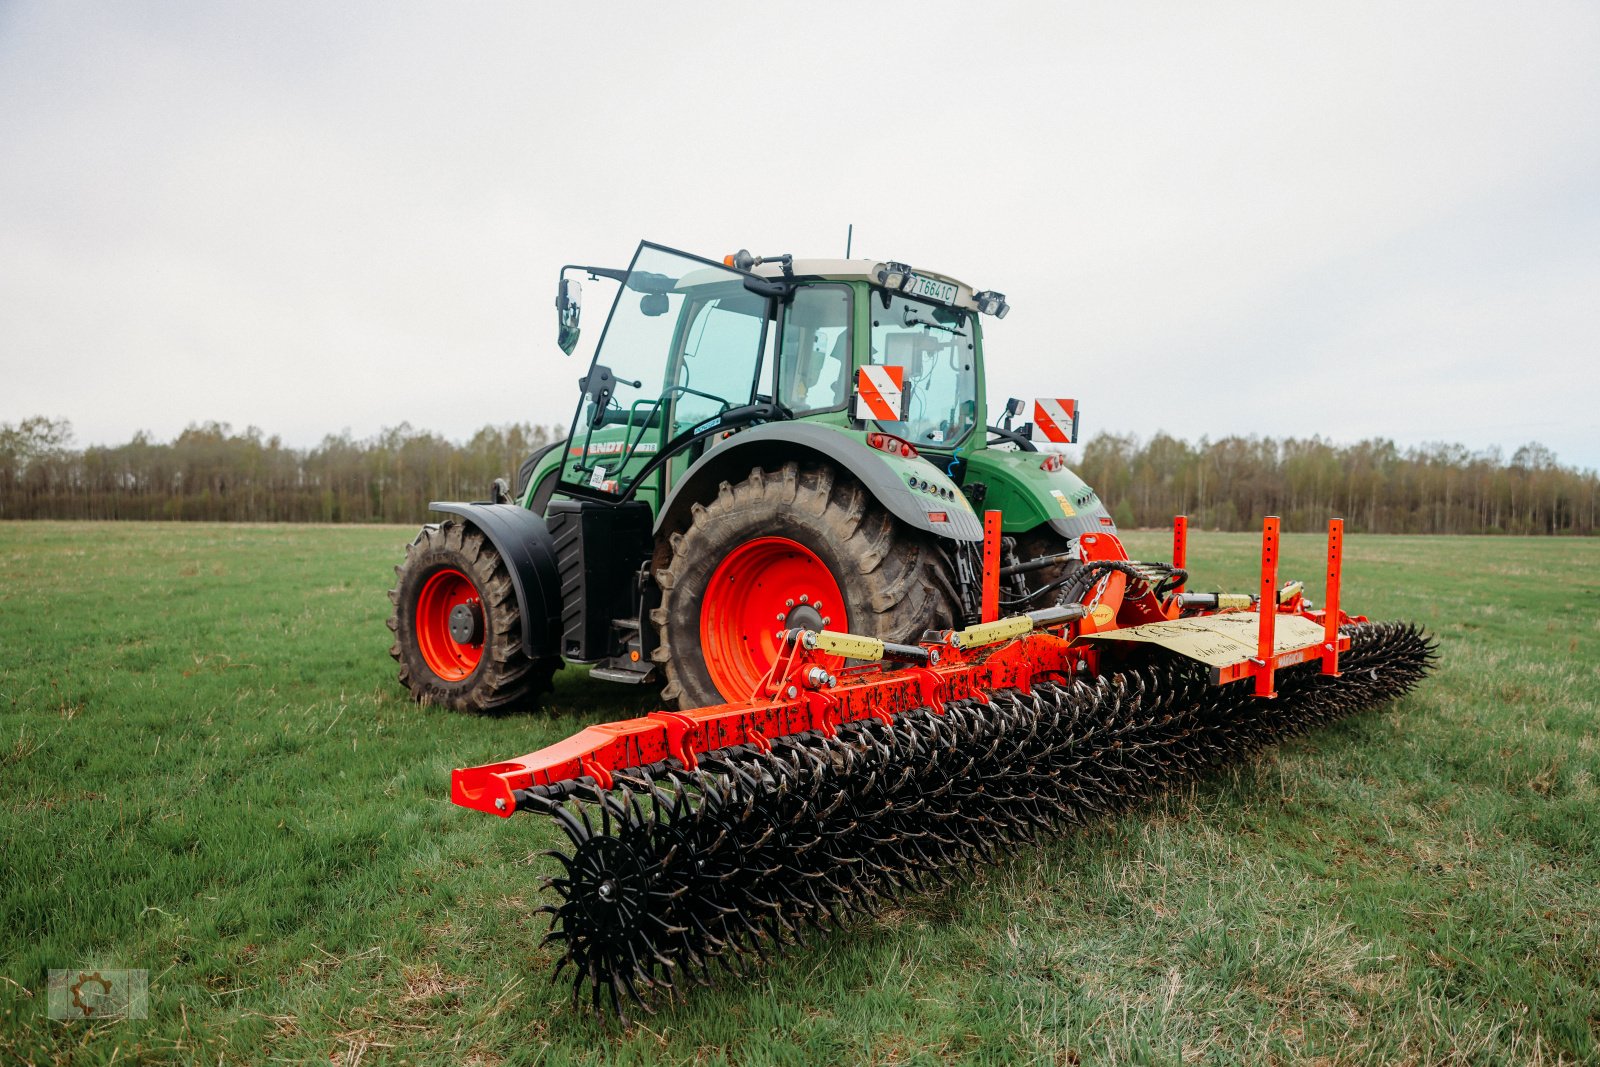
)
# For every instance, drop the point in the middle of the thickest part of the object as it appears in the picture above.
(888, 478)
(1029, 496)
(524, 542)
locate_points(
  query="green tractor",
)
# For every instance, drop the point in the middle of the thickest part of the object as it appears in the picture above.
(759, 444)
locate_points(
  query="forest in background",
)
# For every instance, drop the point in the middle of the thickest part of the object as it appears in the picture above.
(212, 473)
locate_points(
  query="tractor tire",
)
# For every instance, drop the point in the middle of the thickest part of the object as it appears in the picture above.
(761, 556)
(1043, 541)
(447, 566)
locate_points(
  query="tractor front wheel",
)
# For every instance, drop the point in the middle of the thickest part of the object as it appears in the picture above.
(805, 547)
(457, 628)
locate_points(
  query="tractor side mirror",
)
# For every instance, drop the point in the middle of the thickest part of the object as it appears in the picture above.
(569, 305)
(653, 304)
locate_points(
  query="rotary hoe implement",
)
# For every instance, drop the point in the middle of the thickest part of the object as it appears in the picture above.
(894, 637)
(858, 769)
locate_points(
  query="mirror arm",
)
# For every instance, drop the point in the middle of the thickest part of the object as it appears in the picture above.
(596, 273)
(769, 287)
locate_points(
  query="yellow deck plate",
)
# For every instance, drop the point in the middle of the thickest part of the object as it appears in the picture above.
(1224, 640)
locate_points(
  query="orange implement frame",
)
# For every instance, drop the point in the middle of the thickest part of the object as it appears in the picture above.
(1330, 648)
(991, 566)
(1265, 662)
(1180, 546)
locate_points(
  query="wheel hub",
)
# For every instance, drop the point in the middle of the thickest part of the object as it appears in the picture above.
(466, 623)
(803, 617)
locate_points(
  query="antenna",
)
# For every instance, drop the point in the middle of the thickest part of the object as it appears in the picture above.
(849, 237)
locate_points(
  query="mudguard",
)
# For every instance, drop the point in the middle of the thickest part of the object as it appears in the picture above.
(1029, 496)
(915, 491)
(524, 542)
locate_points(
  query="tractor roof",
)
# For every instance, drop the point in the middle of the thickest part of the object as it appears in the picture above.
(854, 270)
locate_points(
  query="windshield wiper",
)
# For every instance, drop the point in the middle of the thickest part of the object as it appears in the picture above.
(912, 320)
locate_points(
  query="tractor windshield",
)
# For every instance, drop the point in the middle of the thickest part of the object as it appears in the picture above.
(684, 343)
(934, 345)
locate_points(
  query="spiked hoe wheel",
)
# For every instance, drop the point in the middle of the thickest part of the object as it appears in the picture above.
(710, 839)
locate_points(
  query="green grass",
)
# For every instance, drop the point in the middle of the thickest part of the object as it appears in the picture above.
(207, 771)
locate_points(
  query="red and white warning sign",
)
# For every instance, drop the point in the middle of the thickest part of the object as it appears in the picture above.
(1055, 421)
(880, 393)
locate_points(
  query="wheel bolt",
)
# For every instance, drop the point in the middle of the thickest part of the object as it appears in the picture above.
(803, 598)
(788, 603)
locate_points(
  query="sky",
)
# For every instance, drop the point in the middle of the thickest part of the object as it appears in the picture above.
(1351, 220)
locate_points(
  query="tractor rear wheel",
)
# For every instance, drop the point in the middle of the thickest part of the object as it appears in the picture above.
(457, 628)
(803, 546)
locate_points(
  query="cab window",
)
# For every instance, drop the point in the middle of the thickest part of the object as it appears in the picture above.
(715, 373)
(934, 344)
(814, 365)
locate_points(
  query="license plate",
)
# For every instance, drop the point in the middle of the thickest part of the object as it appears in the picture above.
(943, 292)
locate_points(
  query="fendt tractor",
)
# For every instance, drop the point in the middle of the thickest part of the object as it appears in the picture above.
(771, 495)
(759, 444)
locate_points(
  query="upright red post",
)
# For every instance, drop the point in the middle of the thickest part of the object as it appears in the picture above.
(1267, 608)
(991, 566)
(1180, 546)
(1330, 647)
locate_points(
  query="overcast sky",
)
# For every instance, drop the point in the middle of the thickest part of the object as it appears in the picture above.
(1351, 220)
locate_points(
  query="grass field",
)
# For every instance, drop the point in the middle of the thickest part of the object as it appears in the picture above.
(207, 771)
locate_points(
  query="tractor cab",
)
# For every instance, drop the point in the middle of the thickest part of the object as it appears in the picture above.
(694, 350)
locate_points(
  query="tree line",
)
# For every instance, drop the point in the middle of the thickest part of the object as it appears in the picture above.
(210, 472)
(1374, 485)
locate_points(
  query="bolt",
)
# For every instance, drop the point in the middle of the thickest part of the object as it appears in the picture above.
(788, 603)
(781, 616)
(499, 803)
(608, 889)
(792, 692)
(803, 597)
(933, 657)
(826, 620)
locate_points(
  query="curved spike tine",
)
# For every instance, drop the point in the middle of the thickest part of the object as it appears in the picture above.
(616, 1001)
(576, 831)
(583, 814)
(566, 861)
(628, 986)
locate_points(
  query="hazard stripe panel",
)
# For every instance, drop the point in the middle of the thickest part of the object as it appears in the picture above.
(880, 393)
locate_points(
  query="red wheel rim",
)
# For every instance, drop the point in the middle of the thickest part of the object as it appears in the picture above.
(444, 655)
(751, 595)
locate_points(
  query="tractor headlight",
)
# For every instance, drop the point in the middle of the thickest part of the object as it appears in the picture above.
(992, 303)
(894, 275)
